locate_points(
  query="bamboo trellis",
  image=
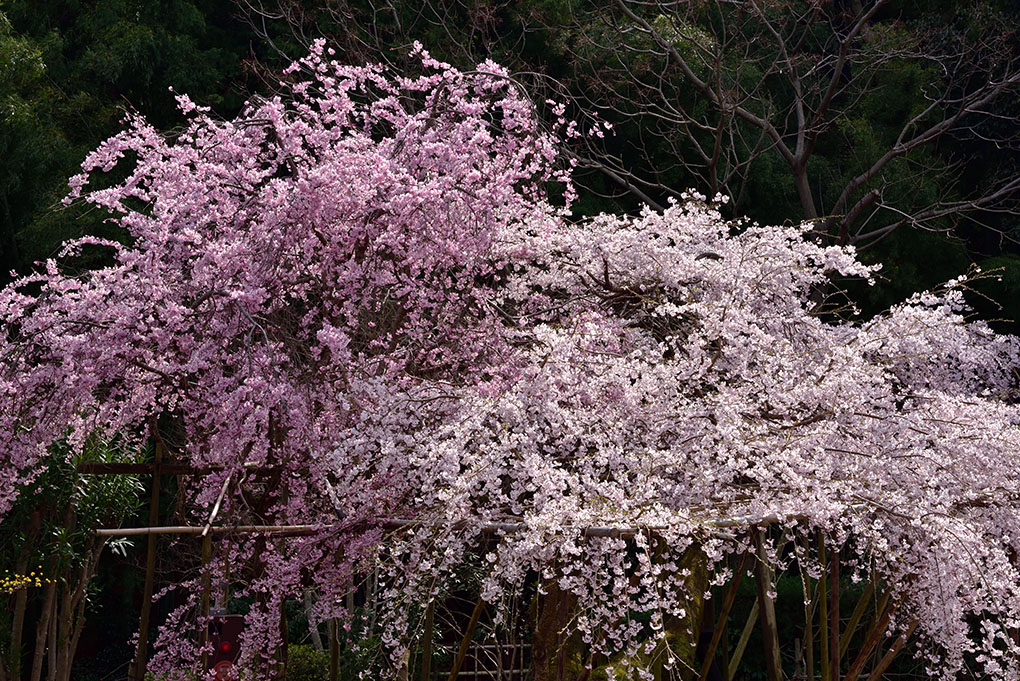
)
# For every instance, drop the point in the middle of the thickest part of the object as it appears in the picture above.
(834, 643)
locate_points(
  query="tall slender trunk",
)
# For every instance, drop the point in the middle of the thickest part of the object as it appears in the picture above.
(53, 644)
(21, 597)
(767, 611)
(42, 629)
(72, 646)
(69, 618)
(281, 654)
(834, 614)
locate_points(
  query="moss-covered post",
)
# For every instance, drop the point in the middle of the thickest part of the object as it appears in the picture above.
(681, 633)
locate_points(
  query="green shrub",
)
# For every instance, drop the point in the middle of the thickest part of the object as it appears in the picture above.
(305, 663)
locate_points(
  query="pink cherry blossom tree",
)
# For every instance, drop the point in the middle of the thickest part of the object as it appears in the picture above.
(313, 264)
(357, 306)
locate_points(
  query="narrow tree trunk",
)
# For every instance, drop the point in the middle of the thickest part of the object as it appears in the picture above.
(465, 641)
(823, 610)
(42, 629)
(426, 647)
(680, 635)
(53, 646)
(720, 628)
(137, 670)
(73, 619)
(72, 645)
(60, 631)
(334, 649)
(855, 618)
(21, 597)
(887, 659)
(203, 635)
(874, 637)
(281, 653)
(403, 670)
(809, 617)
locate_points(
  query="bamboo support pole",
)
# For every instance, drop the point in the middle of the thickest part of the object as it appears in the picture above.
(295, 530)
(887, 659)
(216, 506)
(834, 615)
(767, 612)
(724, 613)
(465, 642)
(137, 671)
(401, 524)
(855, 618)
(745, 636)
(168, 468)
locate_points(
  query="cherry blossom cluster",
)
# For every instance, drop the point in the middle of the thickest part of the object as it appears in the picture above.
(322, 257)
(678, 379)
(356, 305)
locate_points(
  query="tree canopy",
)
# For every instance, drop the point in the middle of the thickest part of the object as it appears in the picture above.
(358, 306)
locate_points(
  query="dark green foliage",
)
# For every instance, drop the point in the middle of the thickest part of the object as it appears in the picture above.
(69, 69)
(996, 296)
(50, 531)
(912, 261)
(305, 663)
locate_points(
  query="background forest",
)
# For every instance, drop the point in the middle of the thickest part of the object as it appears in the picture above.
(70, 69)
(908, 147)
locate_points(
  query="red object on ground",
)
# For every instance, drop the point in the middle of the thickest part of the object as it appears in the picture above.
(225, 636)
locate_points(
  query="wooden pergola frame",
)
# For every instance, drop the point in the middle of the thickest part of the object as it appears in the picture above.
(834, 645)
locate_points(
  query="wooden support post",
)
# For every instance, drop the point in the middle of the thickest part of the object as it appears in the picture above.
(203, 635)
(834, 614)
(767, 612)
(823, 609)
(874, 638)
(883, 664)
(745, 636)
(855, 618)
(465, 642)
(137, 671)
(426, 647)
(724, 613)
(334, 649)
